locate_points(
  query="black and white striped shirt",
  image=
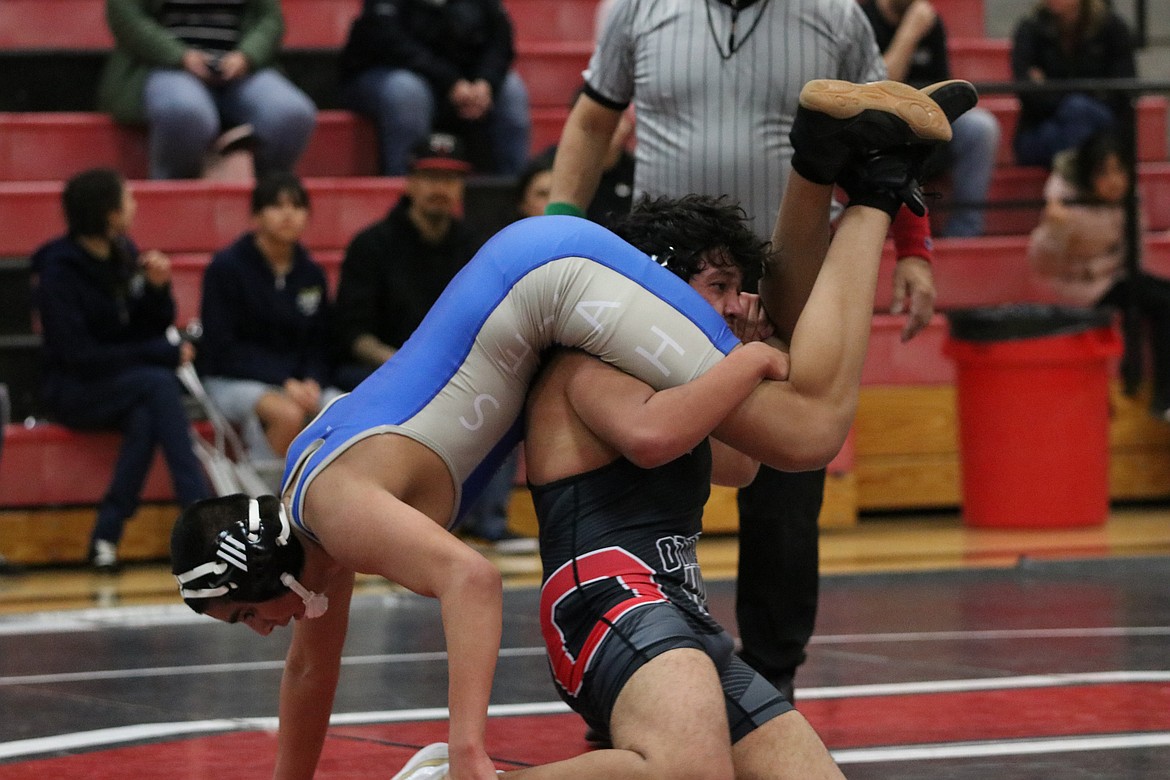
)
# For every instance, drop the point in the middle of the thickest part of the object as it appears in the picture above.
(209, 26)
(715, 89)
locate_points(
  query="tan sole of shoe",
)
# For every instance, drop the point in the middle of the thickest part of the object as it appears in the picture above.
(844, 100)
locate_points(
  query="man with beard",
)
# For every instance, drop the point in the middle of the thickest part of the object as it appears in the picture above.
(395, 269)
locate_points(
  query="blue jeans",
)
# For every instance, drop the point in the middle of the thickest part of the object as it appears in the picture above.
(972, 154)
(145, 404)
(404, 110)
(186, 116)
(1077, 118)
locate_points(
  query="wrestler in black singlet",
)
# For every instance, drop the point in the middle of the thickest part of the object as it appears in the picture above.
(622, 585)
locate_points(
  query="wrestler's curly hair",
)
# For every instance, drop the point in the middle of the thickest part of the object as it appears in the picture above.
(690, 233)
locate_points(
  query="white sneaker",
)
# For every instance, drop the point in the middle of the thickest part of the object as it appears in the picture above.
(430, 763)
(105, 555)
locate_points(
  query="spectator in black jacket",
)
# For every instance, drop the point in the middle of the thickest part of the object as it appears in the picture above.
(1069, 39)
(110, 349)
(415, 66)
(395, 269)
(265, 346)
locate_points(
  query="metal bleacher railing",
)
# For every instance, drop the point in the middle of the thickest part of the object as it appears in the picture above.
(1131, 368)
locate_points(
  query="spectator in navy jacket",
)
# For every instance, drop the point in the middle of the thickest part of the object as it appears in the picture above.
(417, 66)
(264, 351)
(110, 348)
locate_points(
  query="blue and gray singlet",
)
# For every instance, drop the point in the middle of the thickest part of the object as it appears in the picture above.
(459, 383)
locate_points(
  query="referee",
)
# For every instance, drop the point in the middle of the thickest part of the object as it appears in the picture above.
(715, 87)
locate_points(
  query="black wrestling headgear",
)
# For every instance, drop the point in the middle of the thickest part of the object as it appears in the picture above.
(234, 547)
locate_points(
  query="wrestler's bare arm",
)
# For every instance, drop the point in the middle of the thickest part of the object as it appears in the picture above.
(307, 687)
(800, 424)
(652, 428)
(367, 528)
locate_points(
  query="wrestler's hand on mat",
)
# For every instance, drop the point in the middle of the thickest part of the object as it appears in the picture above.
(913, 293)
(470, 764)
(753, 324)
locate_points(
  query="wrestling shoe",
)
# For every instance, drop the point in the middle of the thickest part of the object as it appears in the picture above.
(955, 97)
(430, 763)
(887, 179)
(838, 121)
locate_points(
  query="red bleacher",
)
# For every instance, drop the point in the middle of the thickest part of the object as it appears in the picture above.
(198, 216)
(323, 24)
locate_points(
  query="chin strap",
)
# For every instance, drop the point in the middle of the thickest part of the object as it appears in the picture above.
(316, 604)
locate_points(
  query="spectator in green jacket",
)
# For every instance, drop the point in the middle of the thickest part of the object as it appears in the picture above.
(194, 70)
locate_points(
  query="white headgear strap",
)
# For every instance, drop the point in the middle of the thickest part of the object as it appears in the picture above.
(231, 551)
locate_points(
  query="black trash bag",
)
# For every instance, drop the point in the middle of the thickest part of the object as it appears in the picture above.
(1024, 321)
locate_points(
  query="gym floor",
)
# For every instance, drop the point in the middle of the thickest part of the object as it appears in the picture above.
(941, 651)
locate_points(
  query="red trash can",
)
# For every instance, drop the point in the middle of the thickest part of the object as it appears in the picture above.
(1033, 408)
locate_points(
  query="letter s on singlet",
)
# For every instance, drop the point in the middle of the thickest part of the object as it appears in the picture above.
(478, 403)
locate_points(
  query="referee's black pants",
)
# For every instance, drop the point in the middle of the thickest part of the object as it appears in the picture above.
(776, 595)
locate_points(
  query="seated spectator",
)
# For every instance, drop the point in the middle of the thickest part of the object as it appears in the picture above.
(1077, 252)
(1069, 39)
(395, 269)
(534, 185)
(264, 353)
(110, 349)
(913, 42)
(193, 70)
(419, 66)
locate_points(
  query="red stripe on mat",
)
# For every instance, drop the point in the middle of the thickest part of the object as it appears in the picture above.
(354, 752)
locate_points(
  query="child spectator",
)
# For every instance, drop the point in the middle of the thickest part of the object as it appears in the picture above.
(1077, 252)
(265, 310)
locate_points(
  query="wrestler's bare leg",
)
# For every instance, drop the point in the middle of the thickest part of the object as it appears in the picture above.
(825, 308)
(802, 423)
(670, 720)
(791, 736)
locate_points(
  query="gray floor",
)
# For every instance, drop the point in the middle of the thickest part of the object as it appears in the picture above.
(1044, 670)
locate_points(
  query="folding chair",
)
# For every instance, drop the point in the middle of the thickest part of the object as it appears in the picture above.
(224, 458)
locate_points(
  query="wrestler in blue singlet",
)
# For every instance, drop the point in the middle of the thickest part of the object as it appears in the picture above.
(458, 384)
(622, 585)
